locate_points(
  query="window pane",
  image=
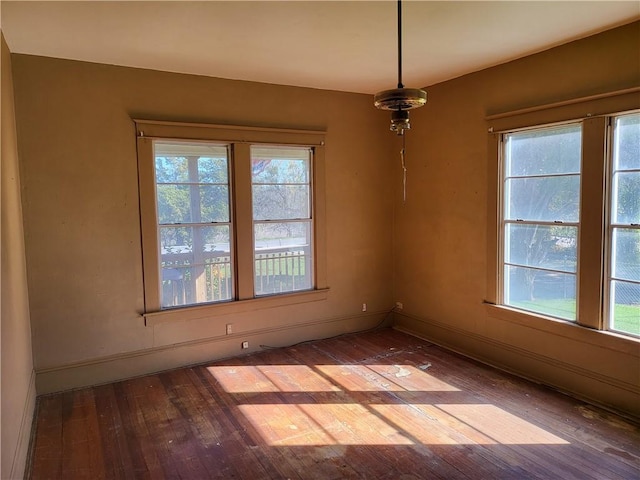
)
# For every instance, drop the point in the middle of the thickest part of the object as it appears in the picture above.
(549, 247)
(627, 142)
(171, 169)
(174, 204)
(542, 184)
(175, 240)
(280, 165)
(214, 203)
(190, 285)
(196, 265)
(543, 198)
(281, 192)
(184, 162)
(191, 183)
(192, 189)
(280, 202)
(626, 254)
(625, 307)
(283, 261)
(626, 197)
(282, 234)
(544, 151)
(548, 293)
(215, 240)
(213, 169)
(624, 297)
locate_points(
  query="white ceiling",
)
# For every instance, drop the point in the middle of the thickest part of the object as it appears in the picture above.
(348, 46)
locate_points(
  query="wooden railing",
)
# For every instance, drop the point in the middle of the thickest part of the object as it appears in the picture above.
(277, 270)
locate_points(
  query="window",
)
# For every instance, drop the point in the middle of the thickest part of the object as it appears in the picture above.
(564, 213)
(194, 222)
(228, 214)
(541, 187)
(282, 226)
(624, 226)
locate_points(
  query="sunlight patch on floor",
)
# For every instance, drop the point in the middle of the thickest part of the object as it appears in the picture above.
(354, 424)
(320, 424)
(413, 379)
(326, 378)
(503, 427)
(303, 405)
(358, 378)
(270, 378)
(297, 378)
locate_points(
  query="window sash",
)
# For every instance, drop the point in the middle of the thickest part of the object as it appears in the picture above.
(191, 272)
(284, 264)
(524, 277)
(622, 286)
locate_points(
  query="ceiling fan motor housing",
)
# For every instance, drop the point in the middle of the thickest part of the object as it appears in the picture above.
(400, 99)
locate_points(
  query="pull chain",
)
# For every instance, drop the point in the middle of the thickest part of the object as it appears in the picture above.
(404, 171)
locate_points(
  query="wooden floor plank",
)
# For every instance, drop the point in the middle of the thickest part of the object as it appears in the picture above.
(115, 450)
(294, 427)
(206, 436)
(140, 443)
(163, 421)
(378, 405)
(240, 437)
(47, 444)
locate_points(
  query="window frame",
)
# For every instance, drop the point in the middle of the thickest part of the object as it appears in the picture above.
(196, 224)
(595, 113)
(308, 219)
(504, 222)
(239, 139)
(610, 228)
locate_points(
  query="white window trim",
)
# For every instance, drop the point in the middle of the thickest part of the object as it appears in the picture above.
(241, 137)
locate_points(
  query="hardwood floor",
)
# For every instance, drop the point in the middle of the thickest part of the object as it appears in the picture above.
(379, 405)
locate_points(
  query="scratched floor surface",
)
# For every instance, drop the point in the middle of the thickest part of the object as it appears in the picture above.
(380, 405)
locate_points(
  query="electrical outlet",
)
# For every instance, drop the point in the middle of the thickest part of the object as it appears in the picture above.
(364, 307)
(229, 328)
(245, 344)
(399, 306)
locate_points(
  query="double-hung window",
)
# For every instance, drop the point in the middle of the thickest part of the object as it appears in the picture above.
(566, 238)
(624, 226)
(541, 186)
(194, 222)
(229, 214)
(282, 223)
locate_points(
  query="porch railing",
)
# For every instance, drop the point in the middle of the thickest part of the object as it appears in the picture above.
(277, 270)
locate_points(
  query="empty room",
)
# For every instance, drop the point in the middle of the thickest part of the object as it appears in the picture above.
(320, 240)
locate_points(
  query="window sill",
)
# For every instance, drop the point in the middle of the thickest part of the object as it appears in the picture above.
(565, 328)
(227, 308)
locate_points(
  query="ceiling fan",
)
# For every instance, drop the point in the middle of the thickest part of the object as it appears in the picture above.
(401, 99)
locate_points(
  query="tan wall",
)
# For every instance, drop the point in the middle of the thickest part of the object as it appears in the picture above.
(440, 234)
(82, 226)
(78, 159)
(18, 382)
